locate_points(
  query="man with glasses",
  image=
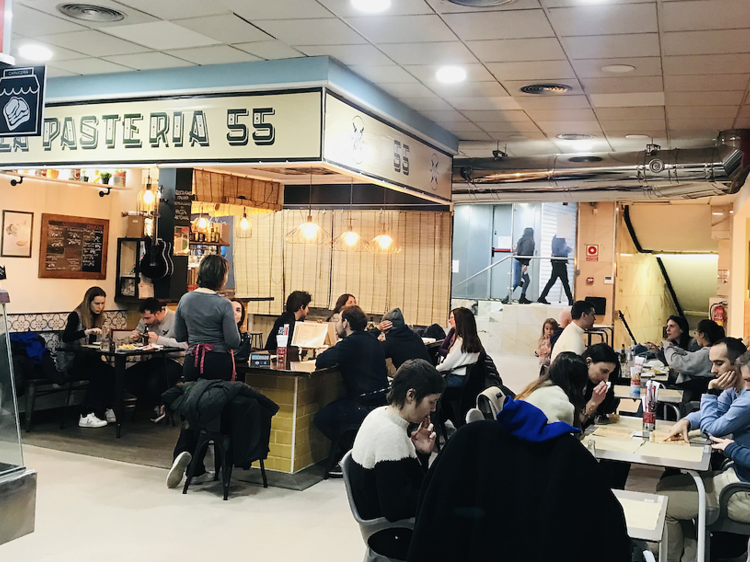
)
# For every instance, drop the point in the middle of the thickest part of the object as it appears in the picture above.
(572, 337)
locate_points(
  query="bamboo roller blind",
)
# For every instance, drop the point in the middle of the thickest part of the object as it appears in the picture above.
(417, 280)
(213, 187)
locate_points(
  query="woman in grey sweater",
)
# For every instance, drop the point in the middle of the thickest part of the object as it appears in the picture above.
(694, 367)
(205, 320)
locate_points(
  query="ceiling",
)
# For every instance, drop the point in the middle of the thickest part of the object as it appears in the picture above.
(691, 59)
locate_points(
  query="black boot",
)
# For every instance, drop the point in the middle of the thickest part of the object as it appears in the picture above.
(542, 300)
(523, 299)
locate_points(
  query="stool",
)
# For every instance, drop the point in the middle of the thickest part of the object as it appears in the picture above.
(256, 340)
(222, 459)
(344, 429)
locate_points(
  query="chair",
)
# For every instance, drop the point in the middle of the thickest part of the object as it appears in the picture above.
(462, 398)
(222, 459)
(489, 404)
(369, 527)
(717, 519)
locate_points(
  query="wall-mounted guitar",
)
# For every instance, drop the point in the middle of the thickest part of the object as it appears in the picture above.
(157, 263)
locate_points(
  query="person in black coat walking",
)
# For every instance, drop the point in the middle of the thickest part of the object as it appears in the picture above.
(524, 247)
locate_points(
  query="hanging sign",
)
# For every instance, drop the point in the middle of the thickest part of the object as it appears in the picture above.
(267, 127)
(592, 252)
(362, 143)
(21, 101)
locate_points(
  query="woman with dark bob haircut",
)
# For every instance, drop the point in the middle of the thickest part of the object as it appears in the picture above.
(205, 320)
(387, 464)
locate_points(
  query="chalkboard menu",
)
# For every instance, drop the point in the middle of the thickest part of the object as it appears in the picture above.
(73, 247)
(183, 203)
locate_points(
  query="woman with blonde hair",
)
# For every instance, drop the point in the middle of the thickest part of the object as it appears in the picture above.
(83, 326)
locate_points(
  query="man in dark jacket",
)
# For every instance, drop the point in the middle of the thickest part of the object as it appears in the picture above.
(297, 307)
(560, 249)
(524, 249)
(401, 343)
(361, 362)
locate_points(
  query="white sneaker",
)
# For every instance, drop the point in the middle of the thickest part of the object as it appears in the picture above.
(109, 415)
(204, 478)
(178, 469)
(91, 421)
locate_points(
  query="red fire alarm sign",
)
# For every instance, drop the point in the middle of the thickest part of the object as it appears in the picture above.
(592, 252)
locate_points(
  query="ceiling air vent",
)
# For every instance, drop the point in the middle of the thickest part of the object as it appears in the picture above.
(90, 12)
(575, 136)
(546, 89)
(481, 3)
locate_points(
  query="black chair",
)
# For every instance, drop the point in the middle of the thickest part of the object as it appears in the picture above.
(222, 459)
(718, 520)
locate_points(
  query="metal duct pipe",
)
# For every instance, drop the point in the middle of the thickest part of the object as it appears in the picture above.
(673, 174)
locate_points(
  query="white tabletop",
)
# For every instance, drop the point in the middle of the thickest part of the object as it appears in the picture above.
(644, 514)
(665, 395)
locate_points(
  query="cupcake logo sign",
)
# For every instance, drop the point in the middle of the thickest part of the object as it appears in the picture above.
(21, 100)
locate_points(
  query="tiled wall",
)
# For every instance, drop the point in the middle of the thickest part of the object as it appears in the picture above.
(596, 225)
(49, 323)
(641, 294)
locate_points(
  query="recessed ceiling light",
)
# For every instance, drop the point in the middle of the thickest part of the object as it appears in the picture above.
(451, 74)
(637, 136)
(371, 6)
(546, 89)
(35, 53)
(90, 12)
(618, 68)
(575, 136)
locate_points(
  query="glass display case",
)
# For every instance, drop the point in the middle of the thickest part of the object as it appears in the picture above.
(17, 483)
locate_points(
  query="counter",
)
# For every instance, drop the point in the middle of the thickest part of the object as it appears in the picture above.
(300, 391)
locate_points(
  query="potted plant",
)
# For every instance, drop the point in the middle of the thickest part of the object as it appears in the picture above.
(105, 177)
(119, 178)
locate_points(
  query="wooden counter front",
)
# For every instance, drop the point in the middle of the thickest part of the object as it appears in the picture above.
(300, 391)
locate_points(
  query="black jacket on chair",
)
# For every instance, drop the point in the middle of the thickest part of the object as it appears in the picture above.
(233, 408)
(492, 496)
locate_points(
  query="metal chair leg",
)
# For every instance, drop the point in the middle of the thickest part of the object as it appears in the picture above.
(263, 473)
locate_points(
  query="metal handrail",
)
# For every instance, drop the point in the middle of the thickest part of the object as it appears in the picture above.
(507, 258)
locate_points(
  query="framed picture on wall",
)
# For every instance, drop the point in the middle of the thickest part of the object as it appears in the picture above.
(18, 229)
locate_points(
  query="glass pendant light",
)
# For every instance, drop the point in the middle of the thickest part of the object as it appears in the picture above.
(383, 243)
(245, 227)
(350, 241)
(309, 232)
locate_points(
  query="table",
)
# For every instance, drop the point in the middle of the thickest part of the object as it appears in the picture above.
(667, 396)
(120, 358)
(300, 390)
(663, 455)
(638, 506)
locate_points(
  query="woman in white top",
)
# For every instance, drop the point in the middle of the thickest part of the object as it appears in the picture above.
(558, 392)
(465, 349)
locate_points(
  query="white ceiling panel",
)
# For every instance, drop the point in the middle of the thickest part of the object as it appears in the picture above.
(705, 83)
(406, 90)
(174, 9)
(474, 72)
(604, 20)
(148, 61)
(539, 70)
(497, 116)
(216, 54)
(500, 127)
(521, 24)
(445, 7)
(744, 112)
(558, 127)
(53, 72)
(33, 23)
(306, 32)
(58, 53)
(644, 66)
(91, 66)
(277, 9)
(93, 43)
(705, 98)
(630, 113)
(553, 102)
(463, 128)
(565, 3)
(627, 100)
(428, 104)
(226, 28)
(397, 29)
(453, 52)
(468, 89)
(511, 50)
(627, 127)
(384, 74)
(613, 46)
(451, 116)
(345, 9)
(484, 103)
(348, 54)
(707, 64)
(562, 114)
(702, 112)
(161, 35)
(712, 124)
(622, 85)
(132, 14)
(705, 14)
(514, 86)
(270, 50)
(474, 136)
(706, 42)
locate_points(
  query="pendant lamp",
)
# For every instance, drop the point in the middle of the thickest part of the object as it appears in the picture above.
(244, 228)
(384, 243)
(350, 240)
(309, 232)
